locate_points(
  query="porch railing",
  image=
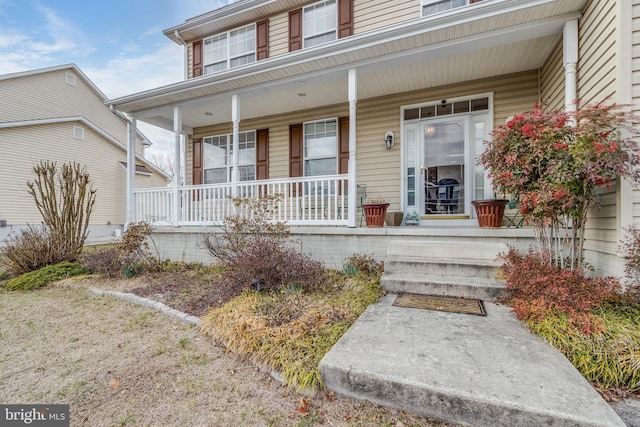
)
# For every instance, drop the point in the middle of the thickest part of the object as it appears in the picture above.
(303, 201)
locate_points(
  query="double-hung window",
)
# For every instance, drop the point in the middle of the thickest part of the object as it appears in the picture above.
(321, 147)
(218, 155)
(320, 22)
(230, 49)
(429, 7)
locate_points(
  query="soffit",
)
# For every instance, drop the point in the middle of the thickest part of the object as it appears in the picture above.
(414, 56)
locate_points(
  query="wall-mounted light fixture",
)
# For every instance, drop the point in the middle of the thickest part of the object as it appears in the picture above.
(389, 140)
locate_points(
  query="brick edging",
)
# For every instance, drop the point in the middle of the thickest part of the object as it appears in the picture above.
(146, 302)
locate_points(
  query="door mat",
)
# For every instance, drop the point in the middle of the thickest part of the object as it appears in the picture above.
(440, 303)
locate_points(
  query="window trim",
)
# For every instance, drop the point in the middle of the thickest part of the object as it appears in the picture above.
(229, 160)
(305, 158)
(335, 29)
(229, 58)
(424, 3)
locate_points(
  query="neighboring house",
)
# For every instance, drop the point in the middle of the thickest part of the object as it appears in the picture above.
(58, 114)
(311, 98)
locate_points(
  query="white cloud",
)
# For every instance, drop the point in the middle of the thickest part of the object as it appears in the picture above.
(55, 38)
(125, 76)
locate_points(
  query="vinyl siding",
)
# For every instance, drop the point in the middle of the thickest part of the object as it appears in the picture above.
(47, 95)
(597, 52)
(279, 35)
(597, 74)
(552, 80)
(378, 167)
(31, 144)
(371, 15)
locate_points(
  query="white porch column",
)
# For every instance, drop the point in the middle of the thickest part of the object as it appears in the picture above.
(177, 130)
(353, 176)
(570, 61)
(235, 160)
(132, 132)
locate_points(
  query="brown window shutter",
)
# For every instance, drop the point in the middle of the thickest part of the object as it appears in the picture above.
(345, 18)
(295, 155)
(196, 177)
(197, 58)
(197, 162)
(262, 40)
(262, 154)
(475, 1)
(295, 30)
(295, 150)
(343, 145)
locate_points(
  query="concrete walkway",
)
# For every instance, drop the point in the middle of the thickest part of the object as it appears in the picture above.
(479, 371)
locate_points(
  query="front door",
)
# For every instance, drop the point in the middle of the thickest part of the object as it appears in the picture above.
(443, 170)
(441, 175)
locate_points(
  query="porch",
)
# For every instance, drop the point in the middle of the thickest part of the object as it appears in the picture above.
(332, 245)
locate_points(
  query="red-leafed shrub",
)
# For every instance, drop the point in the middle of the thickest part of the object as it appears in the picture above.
(535, 288)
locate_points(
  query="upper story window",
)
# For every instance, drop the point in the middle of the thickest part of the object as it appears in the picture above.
(319, 23)
(429, 7)
(321, 147)
(231, 49)
(218, 152)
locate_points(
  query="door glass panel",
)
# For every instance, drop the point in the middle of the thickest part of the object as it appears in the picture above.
(479, 136)
(411, 165)
(444, 166)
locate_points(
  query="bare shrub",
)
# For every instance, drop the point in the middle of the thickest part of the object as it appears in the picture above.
(253, 223)
(252, 246)
(275, 264)
(65, 199)
(130, 257)
(34, 248)
(364, 262)
(104, 261)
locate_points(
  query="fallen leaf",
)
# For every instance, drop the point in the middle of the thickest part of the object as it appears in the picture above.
(304, 406)
(331, 396)
(114, 383)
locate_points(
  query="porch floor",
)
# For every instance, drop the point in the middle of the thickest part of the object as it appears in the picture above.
(479, 371)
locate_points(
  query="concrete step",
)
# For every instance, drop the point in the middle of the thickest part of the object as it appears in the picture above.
(441, 267)
(468, 269)
(472, 370)
(483, 288)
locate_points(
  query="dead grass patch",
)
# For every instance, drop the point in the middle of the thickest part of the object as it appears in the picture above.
(289, 331)
(116, 363)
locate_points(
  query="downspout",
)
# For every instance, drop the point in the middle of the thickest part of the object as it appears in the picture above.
(353, 183)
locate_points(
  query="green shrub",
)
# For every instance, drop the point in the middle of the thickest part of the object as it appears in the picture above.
(39, 278)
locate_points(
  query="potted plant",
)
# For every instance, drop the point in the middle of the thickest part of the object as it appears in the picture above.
(375, 211)
(490, 212)
(411, 218)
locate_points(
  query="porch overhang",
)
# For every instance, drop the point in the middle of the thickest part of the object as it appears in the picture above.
(486, 39)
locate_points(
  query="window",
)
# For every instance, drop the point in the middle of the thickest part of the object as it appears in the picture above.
(319, 23)
(321, 147)
(429, 7)
(218, 152)
(78, 132)
(230, 49)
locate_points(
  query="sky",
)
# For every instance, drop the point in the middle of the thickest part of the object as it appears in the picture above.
(118, 44)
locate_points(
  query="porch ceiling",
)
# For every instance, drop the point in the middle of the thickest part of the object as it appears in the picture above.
(487, 41)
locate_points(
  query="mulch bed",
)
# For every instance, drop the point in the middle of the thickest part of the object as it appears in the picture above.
(187, 291)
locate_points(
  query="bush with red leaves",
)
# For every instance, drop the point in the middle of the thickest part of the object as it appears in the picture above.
(535, 287)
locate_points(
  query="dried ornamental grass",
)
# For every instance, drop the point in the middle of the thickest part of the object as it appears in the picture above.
(291, 332)
(610, 358)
